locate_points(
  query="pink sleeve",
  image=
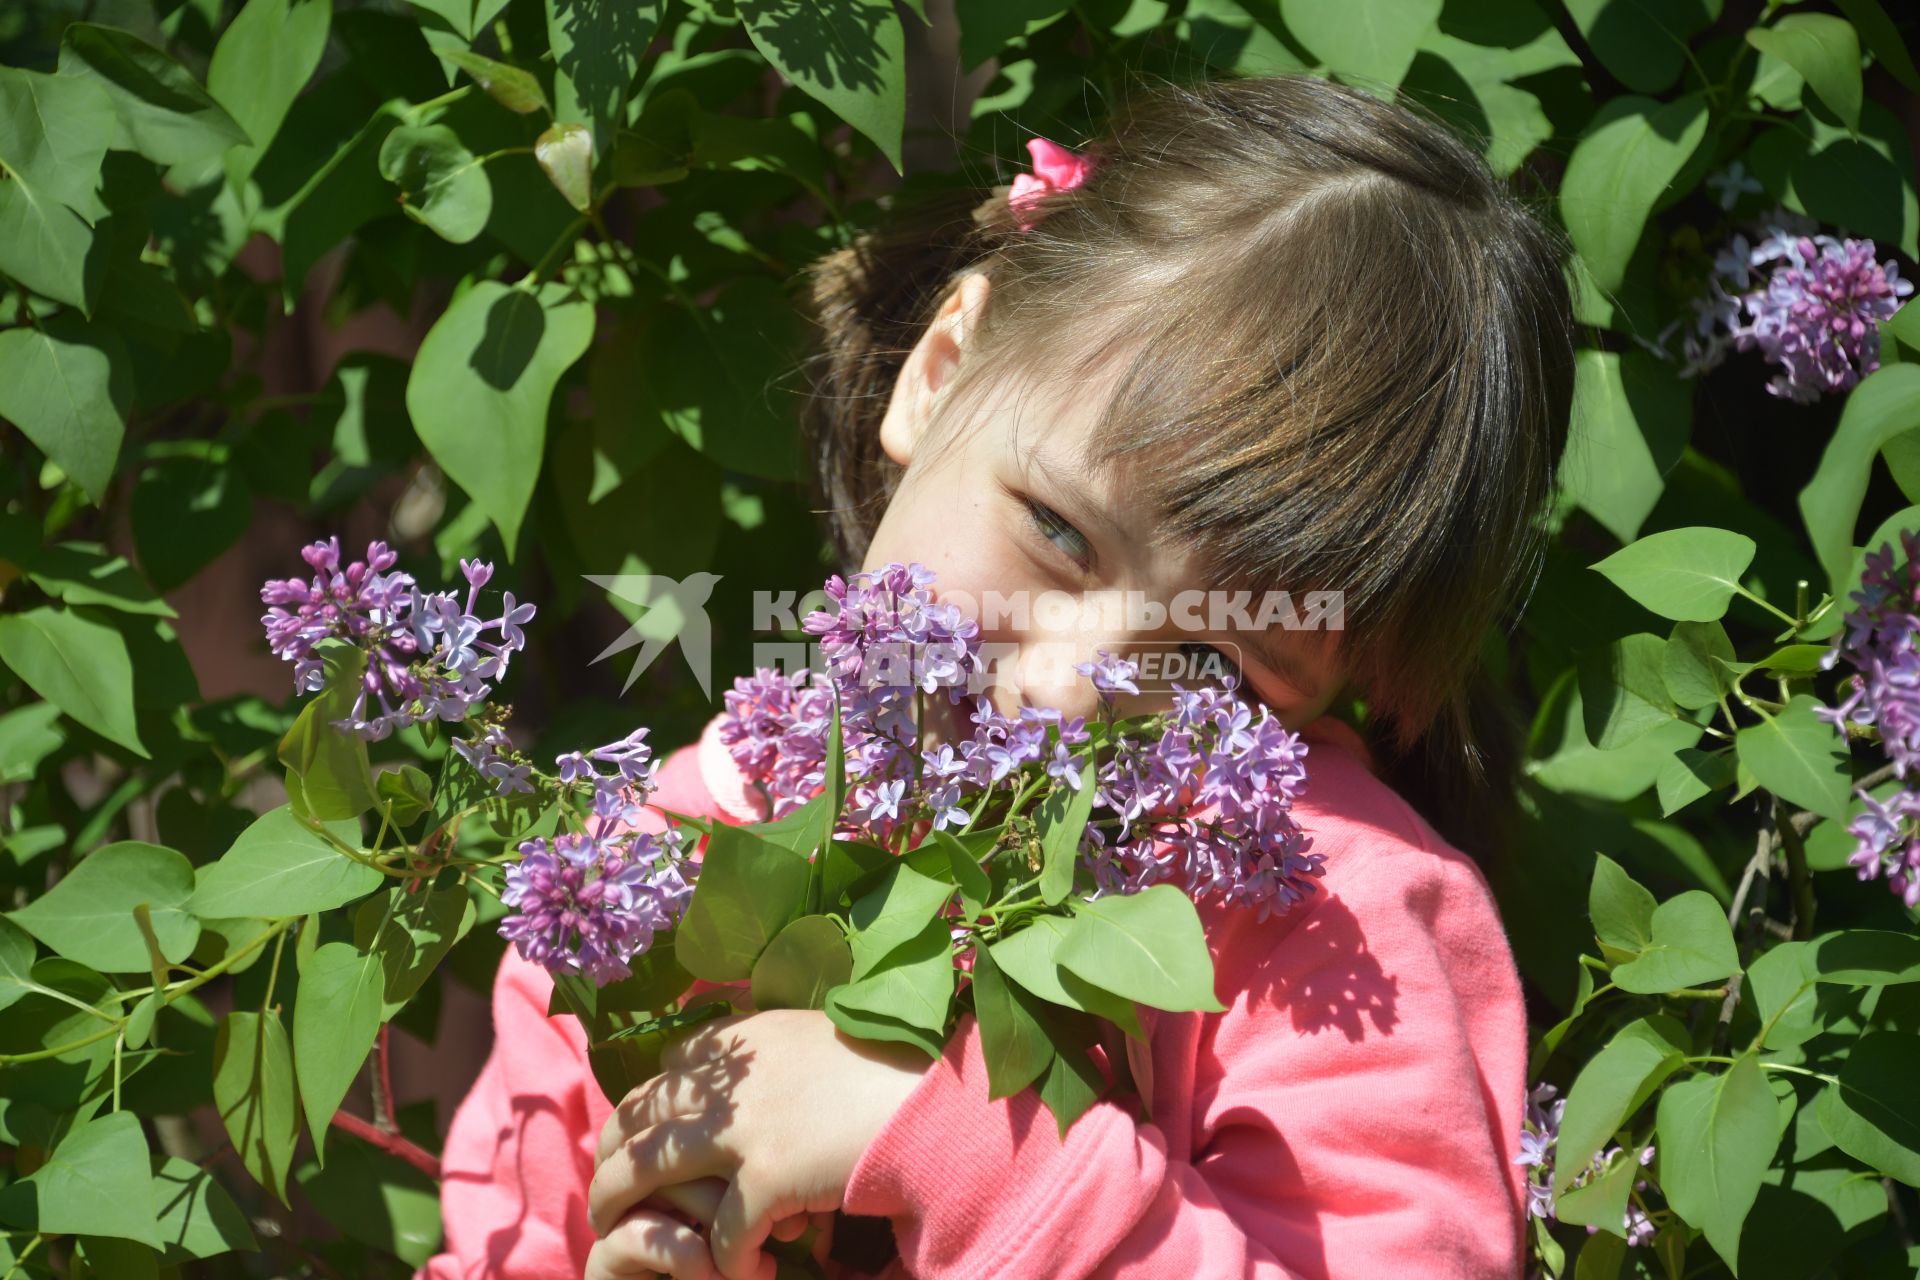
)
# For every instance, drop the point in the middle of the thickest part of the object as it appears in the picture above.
(519, 1154)
(1346, 1116)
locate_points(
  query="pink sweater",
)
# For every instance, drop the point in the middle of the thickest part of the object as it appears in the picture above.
(1354, 1112)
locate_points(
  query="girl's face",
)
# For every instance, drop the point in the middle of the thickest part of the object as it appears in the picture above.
(1057, 563)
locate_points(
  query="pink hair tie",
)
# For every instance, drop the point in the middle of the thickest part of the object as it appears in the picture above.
(1054, 169)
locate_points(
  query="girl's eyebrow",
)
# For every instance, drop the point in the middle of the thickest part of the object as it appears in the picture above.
(1069, 481)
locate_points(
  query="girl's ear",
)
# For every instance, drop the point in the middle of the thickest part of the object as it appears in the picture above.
(931, 366)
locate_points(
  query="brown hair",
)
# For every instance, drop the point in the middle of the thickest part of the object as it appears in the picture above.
(1347, 353)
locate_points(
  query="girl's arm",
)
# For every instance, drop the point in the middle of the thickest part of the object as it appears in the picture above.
(1353, 1113)
(519, 1153)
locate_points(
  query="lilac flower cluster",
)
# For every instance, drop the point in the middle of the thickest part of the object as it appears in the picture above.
(1812, 304)
(886, 644)
(1208, 802)
(427, 658)
(1540, 1135)
(587, 904)
(1884, 692)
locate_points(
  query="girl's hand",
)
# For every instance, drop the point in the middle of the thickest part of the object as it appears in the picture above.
(778, 1105)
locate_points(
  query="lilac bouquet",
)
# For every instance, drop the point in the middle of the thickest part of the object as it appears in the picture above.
(915, 835)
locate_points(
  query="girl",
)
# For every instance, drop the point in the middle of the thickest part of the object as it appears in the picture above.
(1264, 334)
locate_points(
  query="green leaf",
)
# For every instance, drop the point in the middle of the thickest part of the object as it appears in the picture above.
(95, 1182)
(264, 59)
(1825, 50)
(1029, 956)
(967, 872)
(1631, 419)
(67, 384)
(1601, 1201)
(1622, 909)
(88, 915)
(53, 136)
(1145, 946)
(378, 1201)
(1071, 1086)
(280, 867)
(987, 26)
(1692, 665)
(1691, 944)
(83, 573)
(1369, 45)
(1691, 773)
(48, 248)
(159, 109)
(481, 386)
(848, 54)
(16, 964)
(411, 933)
(1012, 1037)
(1717, 1134)
(1884, 405)
(905, 998)
(1642, 43)
(1623, 690)
(1871, 1111)
(597, 50)
(1785, 996)
(804, 961)
(1866, 957)
(1600, 1257)
(565, 153)
(198, 1219)
(404, 793)
(1688, 574)
(185, 514)
(1062, 820)
(1883, 39)
(465, 18)
(1800, 758)
(336, 1015)
(329, 763)
(1612, 1086)
(77, 664)
(254, 1091)
(442, 184)
(893, 913)
(516, 90)
(1629, 156)
(747, 891)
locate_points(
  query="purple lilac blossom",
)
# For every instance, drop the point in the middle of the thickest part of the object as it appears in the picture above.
(1812, 304)
(1209, 804)
(427, 655)
(1239, 771)
(1540, 1135)
(886, 644)
(587, 904)
(1883, 691)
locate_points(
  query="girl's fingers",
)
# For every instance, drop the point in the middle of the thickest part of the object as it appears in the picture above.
(740, 1225)
(643, 1245)
(670, 1094)
(698, 1199)
(676, 1150)
(790, 1228)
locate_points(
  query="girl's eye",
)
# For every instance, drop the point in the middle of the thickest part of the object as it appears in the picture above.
(1056, 530)
(1211, 664)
